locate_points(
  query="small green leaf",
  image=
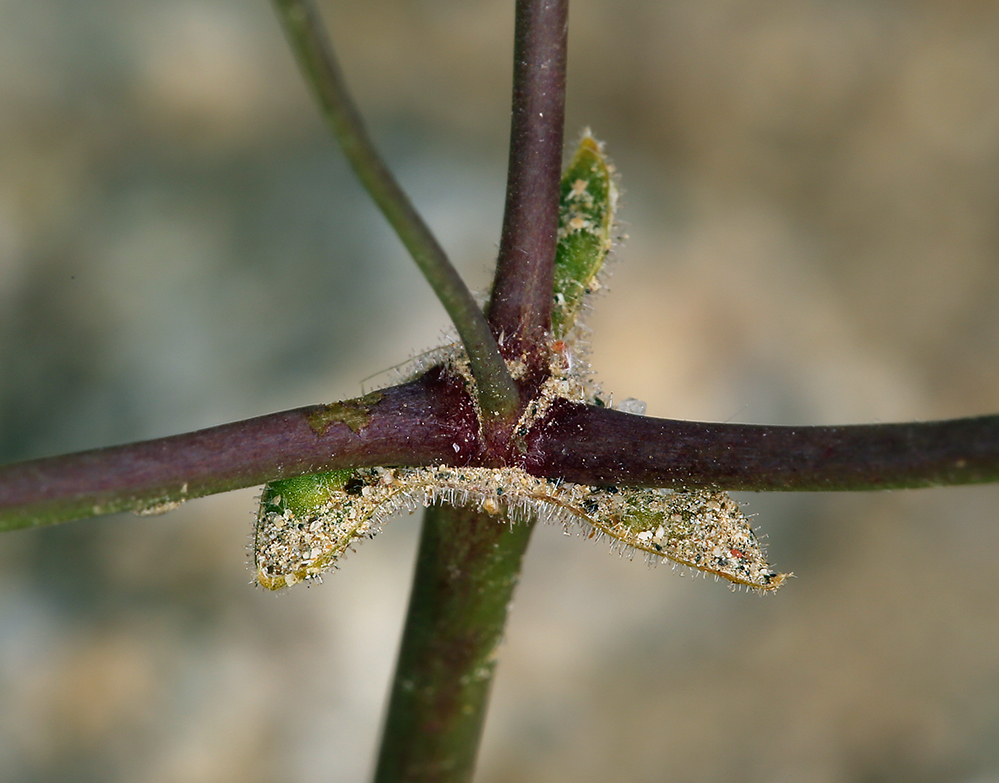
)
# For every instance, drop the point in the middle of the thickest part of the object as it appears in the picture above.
(586, 215)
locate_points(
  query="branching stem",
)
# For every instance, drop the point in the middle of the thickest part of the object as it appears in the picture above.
(469, 562)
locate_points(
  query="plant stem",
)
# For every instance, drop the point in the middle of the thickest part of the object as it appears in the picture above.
(466, 571)
(592, 445)
(497, 392)
(521, 302)
(422, 422)
(468, 565)
(415, 424)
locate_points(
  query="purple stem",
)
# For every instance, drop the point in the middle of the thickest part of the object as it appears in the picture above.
(429, 421)
(521, 303)
(592, 445)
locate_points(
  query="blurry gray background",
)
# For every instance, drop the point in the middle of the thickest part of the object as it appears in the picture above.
(811, 189)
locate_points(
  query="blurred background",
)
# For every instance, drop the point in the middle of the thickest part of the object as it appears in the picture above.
(811, 190)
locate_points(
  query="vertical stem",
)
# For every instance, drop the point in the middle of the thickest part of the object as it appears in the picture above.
(522, 292)
(466, 571)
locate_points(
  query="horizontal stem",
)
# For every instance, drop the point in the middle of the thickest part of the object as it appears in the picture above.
(432, 421)
(590, 445)
(425, 422)
(497, 392)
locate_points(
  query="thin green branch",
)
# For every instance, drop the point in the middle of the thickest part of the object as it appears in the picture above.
(497, 393)
(466, 571)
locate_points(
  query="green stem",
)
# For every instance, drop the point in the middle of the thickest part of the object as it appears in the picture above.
(466, 571)
(497, 393)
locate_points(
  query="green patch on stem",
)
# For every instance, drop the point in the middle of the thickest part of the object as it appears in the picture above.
(586, 216)
(354, 413)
